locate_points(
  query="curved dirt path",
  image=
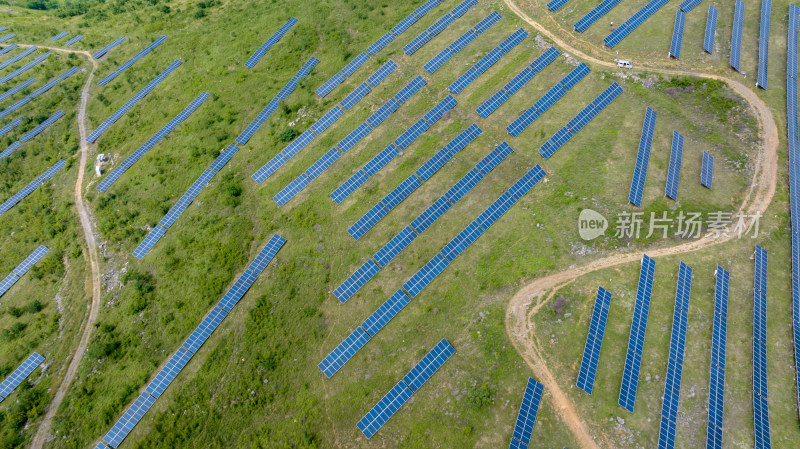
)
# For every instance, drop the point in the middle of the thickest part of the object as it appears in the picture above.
(519, 321)
(87, 223)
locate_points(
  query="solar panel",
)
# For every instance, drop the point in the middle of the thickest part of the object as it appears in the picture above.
(707, 171)
(439, 60)
(7, 37)
(736, 35)
(384, 409)
(642, 158)
(8, 282)
(429, 364)
(425, 275)
(573, 77)
(266, 46)
(410, 89)
(110, 77)
(42, 126)
(355, 96)
(383, 112)
(388, 310)
(462, 241)
(100, 53)
(394, 246)
(431, 214)
(16, 145)
(331, 84)
(30, 188)
(101, 445)
(401, 192)
(354, 137)
(342, 353)
(367, 221)
(711, 30)
(74, 40)
(594, 341)
(355, 281)
(11, 125)
(379, 161)
(361, 176)
(633, 22)
(763, 43)
(459, 44)
(487, 22)
(129, 419)
(8, 48)
(528, 409)
(149, 242)
(463, 7)
(411, 134)
(633, 357)
(417, 43)
(672, 386)
(18, 57)
(204, 330)
(386, 69)
(31, 260)
(495, 101)
(327, 120)
(677, 34)
(760, 389)
(168, 373)
(381, 43)
(292, 189)
(404, 24)
(689, 5)
(440, 109)
(132, 102)
(512, 41)
(555, 5)
(68, 73)
(716, 397)
(355, 64)
(674, 171)
(26, 67)
(487, 61)
(18, 375)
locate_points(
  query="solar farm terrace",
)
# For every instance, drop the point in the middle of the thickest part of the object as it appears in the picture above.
(422, 224)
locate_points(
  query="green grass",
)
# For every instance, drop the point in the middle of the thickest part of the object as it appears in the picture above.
(255, 383)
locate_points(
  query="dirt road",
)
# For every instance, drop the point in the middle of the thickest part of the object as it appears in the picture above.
(87, 223)
(520, 321)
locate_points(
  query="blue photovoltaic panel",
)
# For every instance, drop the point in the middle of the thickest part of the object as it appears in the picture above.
(674, 171)
(7, 37)
(101, 445)
(323, 163)
(736, 35)
(237, 291)
(16, 89)
(487, 22)
(487, 61)
(31, 260)
(461, 188)
(461, 242)
(30, 188)
(495, 101)
(426, 8)
(8, 48)
(573, 77)
(526, 418)
(355, 96)
(404, 24)
(353, 138)
(349, 186)
(74, 40)
(383, 112)
(204, 330)
(523, 121)
(11, 125)
(512, 41)
(672, 386)
(711, 30)
(366, 222)
(401, 192)
(129, 419)
(642, 158)
(356, 280)
(384, 409)
(16, 145)
(147, 244)
(355, 64)
(342, 353)
(100, 53)
(377, 78)
(417, 43)
(763, 43)
(25, 68)
(556, 4)
(439, 110)
(633, 357)
(388, 310)
(224, 157)
(429, 364)
(411, 134)
(18, 57)
(437, 209)
(18, 375)
(410, 89)
(294, 187)
(8, 282)
(689, 5)
(463, 7)
(394, 246)
(327, 120)
(425, 275)
(68, 73)
(175, 211)
(266, 46)
(331, 84)
(132, 102)
(716, 385)
(594, 341)
(42, 126)
(633, 22)
(132, 61)
(677, 35)
(267, 253)
(380, 44)
(164, 378)
(707, 171)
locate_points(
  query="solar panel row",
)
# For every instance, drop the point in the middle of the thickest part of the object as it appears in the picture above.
(132, 102)
(413, 182)
(44, 88)
(763, 43)
(22, 268)
(266, 46)
(487, 61)
(438, 26)
(8, 48)
(677, 35)
(760, 389)
(59, 36)
(42, 126)
(183, 355)
(716, 383)
(355, 136)
(689, 5)
(555, 5)
(68, 73)
(677, 347)
(425, 275)
(633, 357)
(17, 88)
(27, 190)
(100, 53)
(18, 375)
(7, 37)
(707, 171)
(19, 56)
(25, 68)
(711, 30)
(526, 418)
(400, 241)
(151, 142)
(402, 391)
(11, 125)
(736, 34)
(110, 77)
(337, 79)
(547, 100)
(594, 341)
(74, 40)
(642, 158)
(633, 22)
(445, 55)
(674, 170)
(517, 83)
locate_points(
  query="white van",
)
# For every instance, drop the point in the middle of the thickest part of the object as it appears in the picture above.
(623, 64)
